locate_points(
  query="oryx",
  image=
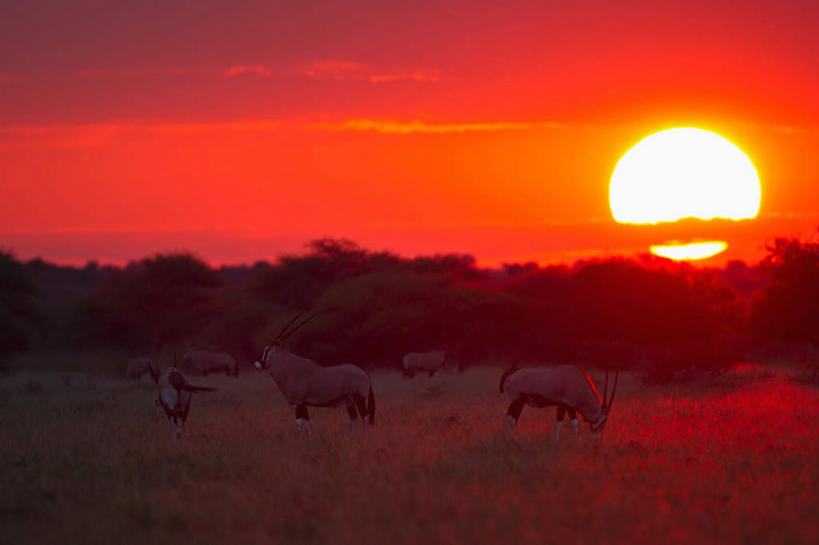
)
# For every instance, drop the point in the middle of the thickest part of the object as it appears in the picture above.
(566, 386)
(206, 362)
(304, 382)
(425, 362)
(138, 367)
(174, 396)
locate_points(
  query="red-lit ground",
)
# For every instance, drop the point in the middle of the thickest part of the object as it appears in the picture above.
(88, 459)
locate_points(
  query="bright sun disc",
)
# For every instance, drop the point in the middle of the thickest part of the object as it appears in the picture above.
(693, 250)
(680, 173)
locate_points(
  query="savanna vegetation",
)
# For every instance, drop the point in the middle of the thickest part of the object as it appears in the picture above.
(702, 446)
(90, 460)
(665, 320)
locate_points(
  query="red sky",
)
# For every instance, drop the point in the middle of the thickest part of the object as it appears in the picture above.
(241, 130)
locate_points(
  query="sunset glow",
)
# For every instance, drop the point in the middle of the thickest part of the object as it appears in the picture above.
(691, 251)
(241, 135)
(681, 173)
(479, 217)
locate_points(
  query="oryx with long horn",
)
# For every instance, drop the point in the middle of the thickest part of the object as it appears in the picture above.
(566, 386)
(304, 383)
(174, 395)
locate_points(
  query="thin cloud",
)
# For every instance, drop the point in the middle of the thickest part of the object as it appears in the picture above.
(354, 71)
(244, 69)
(420, 127)
(412, 76)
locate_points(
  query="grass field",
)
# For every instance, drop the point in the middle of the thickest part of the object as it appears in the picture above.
(86, 458)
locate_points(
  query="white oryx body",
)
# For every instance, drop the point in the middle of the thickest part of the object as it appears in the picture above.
(304, 383)
(139, 367)
(174, 396)
(206, 362)
(567, 387)
(424, 362)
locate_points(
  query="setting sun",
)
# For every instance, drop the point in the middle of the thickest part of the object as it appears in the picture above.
(694, 250)
(680, 173)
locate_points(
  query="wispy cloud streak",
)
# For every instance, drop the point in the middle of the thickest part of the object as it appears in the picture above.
(420, 127)
(354, 71)
(252, 69)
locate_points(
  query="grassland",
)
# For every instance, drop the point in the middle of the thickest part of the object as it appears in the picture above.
(86, 458)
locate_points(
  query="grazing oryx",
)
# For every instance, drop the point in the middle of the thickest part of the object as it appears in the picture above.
(566, 386)
(206, 362)
(174, 396)
(425, 362)
(305, 383)
(138, 367)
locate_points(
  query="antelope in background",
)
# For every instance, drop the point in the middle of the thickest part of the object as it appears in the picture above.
(304, 382)
(425, 362)
(138, 367)
(566, 386)
(206, 362)
(174, 396)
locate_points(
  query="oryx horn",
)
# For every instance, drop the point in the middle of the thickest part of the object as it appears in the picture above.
(296, 328)
(614, 388)
(279, 336)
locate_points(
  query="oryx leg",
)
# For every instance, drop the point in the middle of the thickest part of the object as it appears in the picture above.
(361, 404)
(573, 416)
(184, 412)
(168, 412)
(514, 410)
(179, 427)
(302, 418)
(351, 412)
(561, 412)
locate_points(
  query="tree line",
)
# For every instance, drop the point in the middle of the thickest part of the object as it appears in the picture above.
(663, 318)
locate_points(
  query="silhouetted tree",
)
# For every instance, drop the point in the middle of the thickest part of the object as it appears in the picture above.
(166, 298)
(17, 305)
(786, 311)
(298, 280)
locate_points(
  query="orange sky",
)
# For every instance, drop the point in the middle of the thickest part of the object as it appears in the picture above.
(240, 133)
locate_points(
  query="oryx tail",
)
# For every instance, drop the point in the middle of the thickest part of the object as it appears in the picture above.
(192, 388)
(505, 375)
(371, 406)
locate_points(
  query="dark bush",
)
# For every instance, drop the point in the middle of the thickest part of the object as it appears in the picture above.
(18, 316)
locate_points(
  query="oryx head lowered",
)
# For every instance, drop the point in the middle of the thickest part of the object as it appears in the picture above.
(272, 349)
(566, 387)
(598, 425)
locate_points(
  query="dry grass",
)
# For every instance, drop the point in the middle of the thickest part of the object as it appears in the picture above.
(89, 459)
